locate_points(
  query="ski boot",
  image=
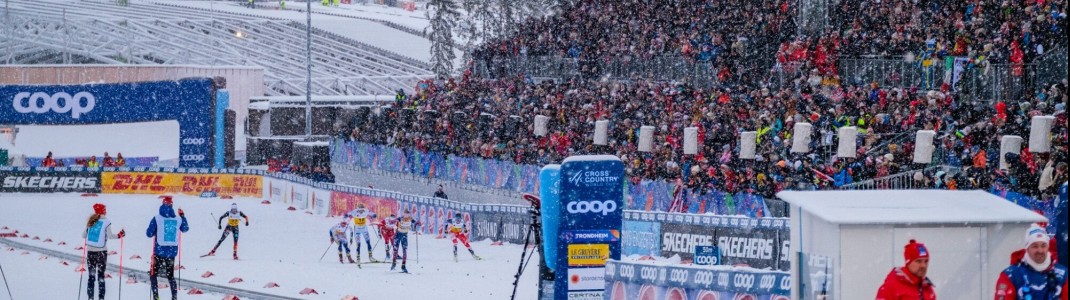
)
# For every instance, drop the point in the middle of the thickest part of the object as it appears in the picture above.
(210, 253)
(340, 258)
(404, 269)
(474, 255)
(371, 259)
(393, 265)
(351, 260)
(454, 255)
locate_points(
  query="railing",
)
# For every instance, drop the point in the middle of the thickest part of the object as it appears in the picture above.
(661, 68)
(900, 181)
(891, 73)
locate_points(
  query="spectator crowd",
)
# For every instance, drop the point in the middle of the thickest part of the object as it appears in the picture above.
(493, 118)
(86, 162)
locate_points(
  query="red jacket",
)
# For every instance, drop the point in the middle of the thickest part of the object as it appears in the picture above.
(901, 285)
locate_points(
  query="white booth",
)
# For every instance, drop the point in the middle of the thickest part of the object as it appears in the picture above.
(848, 241)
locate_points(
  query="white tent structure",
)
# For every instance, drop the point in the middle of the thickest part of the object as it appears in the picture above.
(848, 241)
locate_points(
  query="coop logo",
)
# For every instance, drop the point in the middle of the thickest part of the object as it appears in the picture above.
(193, 141)
(40, 102)
(593, 178)
(49, 182)
(192, 157)
(581, 207)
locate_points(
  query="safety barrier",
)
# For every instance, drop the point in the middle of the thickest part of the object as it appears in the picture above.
(641, 280)
(649, 195)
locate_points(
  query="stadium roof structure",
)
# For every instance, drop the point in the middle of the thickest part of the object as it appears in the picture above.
(88, 32)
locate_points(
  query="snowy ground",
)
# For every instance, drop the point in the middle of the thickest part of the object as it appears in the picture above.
(279, 246)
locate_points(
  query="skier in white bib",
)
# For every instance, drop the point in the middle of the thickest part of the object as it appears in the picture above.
(361, 223)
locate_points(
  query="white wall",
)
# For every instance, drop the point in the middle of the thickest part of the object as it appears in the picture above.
(815, 236)
(867, 260)
(964, 261)
(955, 258)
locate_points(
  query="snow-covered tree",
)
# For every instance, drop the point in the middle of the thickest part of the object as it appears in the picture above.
(443, 16)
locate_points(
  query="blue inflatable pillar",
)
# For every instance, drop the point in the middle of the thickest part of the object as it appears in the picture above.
(222, 101)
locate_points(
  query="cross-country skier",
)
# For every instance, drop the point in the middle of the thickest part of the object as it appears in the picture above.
(361, 221)
(233, 217)
(387, 229)
(97, 234)
(404, 225)
(459, 231)
(165, 228)
(339, 233)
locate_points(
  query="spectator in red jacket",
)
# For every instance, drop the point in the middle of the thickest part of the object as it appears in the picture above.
(107, 161)
(48, 162)
(909, 281)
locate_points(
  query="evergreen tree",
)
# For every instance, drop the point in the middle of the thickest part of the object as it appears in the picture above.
(443, 16)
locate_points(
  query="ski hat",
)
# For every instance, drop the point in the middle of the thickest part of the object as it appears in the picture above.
(167, 200)
(1035, 234)
(99, 209)
(914, 250)
(233, 206)
(360, 205)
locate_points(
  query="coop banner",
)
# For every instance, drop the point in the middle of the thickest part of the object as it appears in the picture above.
(58, 180)
(636, 281)
(181, 183)
(188, 101)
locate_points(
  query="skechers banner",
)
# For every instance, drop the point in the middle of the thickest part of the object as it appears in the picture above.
(188, 101)
(591, 211)
(24, 180)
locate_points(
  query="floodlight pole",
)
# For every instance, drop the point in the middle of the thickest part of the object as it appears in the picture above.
(308, 82)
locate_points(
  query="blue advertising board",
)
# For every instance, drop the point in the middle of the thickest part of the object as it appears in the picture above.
(641, 238)
(707, 255)
(188, 101)
(549, 196)
(592, 205)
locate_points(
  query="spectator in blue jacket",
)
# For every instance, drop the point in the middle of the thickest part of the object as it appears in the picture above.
(165, 229)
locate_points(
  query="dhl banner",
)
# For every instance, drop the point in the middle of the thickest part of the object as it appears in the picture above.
(189, 184)
(341, 203)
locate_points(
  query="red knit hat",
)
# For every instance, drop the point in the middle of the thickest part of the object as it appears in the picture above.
(167, 199)
(914, 250)
(99, 209)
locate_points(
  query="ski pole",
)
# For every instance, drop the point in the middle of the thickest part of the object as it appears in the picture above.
(9, 287)
(325, 251)
(82, 267)
(179, 281)
(121, 264)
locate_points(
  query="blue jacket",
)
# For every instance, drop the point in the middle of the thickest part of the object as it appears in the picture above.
(165, 251)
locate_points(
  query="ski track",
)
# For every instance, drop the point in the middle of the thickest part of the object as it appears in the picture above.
(279, 246)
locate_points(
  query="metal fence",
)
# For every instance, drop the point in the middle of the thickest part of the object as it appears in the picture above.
(890, 73)
(900, 181)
